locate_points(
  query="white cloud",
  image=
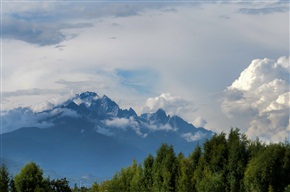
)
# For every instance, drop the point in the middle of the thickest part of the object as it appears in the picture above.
(160, 127)
(104, 131)
(124, 124)
(52, 102)
(261, 93)
(27, 117)
(173, 105)
(173, 47)
(189, 137)
(199, 122)
(23, 117)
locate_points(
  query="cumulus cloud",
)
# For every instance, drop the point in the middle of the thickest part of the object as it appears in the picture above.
(171, 104)
(200, 122)
(262, 94)
(189, 137)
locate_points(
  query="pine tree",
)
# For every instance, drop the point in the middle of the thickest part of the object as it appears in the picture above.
(238, 159)
(268, 170)
(147, 178)
(4, 179)
(60, 185)
(184, 182)
(12, 185)
(95, 187)
(164, 169)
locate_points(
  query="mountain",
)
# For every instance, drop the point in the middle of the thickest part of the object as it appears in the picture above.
(89, 137)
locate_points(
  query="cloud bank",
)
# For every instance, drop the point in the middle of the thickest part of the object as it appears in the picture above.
(261, 93)
(26, 117)
(124, 123)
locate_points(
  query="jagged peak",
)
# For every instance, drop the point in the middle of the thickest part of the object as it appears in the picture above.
(132, 112)
(160, 113)
(159, 116)
(105, 97)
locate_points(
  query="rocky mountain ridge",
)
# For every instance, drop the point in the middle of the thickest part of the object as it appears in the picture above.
(92, 135)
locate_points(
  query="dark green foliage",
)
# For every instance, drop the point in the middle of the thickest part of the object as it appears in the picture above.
(269, 170)
(12, 185)
(222, 164)
(211, 171)
(4, 179)
(60, 185)
(95, 187)
(226, 164)
(185, 170)
(164, 169)
(147, 178)
(82, 189)
(287, 189)
(237, 160)
(128, 179)
(216, 153)
(30, 179)
(105, 185)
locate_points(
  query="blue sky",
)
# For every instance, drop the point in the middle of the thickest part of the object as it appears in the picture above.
(191, 58)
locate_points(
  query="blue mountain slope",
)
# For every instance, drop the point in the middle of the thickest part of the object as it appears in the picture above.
(91, 135)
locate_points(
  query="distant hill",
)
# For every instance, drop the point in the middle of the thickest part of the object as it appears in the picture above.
(89, 138)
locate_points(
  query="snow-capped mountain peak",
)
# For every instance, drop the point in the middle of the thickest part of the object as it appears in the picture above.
(93, 131)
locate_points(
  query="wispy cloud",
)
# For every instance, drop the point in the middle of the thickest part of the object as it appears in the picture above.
(264, 10)
(44, 23)
(124, 124)
(34, 91)
(22, 117)
(160, 127)
(189, 137)
(141, 80)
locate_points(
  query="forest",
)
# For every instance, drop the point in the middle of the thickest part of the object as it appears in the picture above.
(224, 163)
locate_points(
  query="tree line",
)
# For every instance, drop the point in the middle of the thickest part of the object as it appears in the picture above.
(223, 163)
